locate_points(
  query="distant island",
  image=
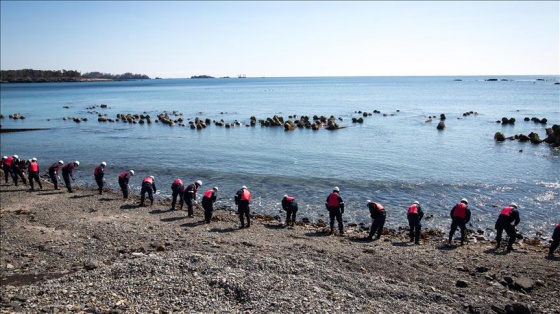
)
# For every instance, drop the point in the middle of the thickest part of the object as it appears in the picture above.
(45, 76)
(201, 76)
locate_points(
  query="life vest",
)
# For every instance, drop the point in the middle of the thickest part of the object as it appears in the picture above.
(333, 200)
(67, 166)
(208, 194)
(460, 211)
(245, 195)
(148, 180)
(506, 211)
(178, 182)
(413, 209)
(96, 170)
(123, 174)
(33, 167)
(54, 167)
(290, 199)
(558, 226)
(379, 206)
(21, 164)
(8, 161)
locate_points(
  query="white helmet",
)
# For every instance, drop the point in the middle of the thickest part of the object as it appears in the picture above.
(61, 162)
(33, 159)
(244, 187)
(5, 157)
(16, 156)
(152, 177)
(215, 188)
(368, 201)
(464, 200)
(199, 182)
(104, 164)
(77, 163)
(131, 171)
(336, 189)
(416, 202)
(513, 205)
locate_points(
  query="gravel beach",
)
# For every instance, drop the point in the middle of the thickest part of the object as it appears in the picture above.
(87, 253)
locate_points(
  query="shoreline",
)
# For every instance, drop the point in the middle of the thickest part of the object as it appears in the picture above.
(85, 252)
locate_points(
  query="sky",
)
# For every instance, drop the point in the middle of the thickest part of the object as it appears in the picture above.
(179, 39)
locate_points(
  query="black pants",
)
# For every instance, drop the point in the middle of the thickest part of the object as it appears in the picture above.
(34, 176)
(208, 211)
(291, 216)
(54, 179)
(16, 173)
(244, 211)
(146, 188)
(461, 223)
(66, 177)
(124, 188)
(334, 212)
(415, 229)
(510, 230)
(177, 192)
(555, 240)
(99, 181)
(377, 227)
(189, 203)
(7, 171)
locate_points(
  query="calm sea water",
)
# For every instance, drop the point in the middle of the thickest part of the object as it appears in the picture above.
(394, 157)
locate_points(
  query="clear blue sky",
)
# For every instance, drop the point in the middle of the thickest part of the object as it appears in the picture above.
(226, 38)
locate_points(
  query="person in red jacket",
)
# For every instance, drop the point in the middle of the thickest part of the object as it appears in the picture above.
(378, 216)
(98, 174)
(53, 173)
(335, 206)
(124, 177)
(7, 167)
(68, 173)
(414, 216)
(460, 217)
(242, 199)
(507, 220)
(149, 186)
(555, 240)
(189, 196)
(18, 165)
(208, 201)
(290, 206)
(177, 190)
(33, 169)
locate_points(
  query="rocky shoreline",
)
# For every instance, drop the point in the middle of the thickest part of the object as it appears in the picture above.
(89, 253)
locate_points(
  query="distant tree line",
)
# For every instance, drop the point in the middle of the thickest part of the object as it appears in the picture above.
(116, 77)
(38, 76)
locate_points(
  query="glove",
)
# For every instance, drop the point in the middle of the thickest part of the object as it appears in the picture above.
(327, 206)
(342, 210)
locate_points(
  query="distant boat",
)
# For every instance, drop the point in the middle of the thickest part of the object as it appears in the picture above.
(241, 76)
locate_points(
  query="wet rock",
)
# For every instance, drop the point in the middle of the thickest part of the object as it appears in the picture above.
(499, 137)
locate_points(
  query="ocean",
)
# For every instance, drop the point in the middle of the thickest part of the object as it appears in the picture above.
(396, 156)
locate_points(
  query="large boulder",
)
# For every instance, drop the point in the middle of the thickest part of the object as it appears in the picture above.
(534, 138)
(499, 137)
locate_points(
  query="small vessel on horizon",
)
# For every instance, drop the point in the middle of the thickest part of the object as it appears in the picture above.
(241, 76)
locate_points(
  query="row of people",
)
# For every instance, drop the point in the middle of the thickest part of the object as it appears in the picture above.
(460, 214)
